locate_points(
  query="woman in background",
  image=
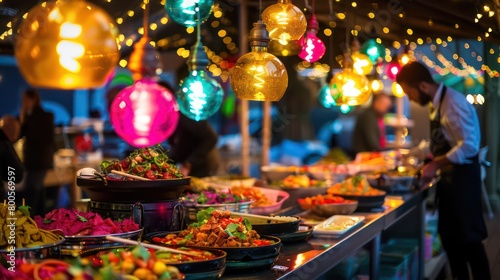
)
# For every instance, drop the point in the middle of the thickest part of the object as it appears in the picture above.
(37, 127)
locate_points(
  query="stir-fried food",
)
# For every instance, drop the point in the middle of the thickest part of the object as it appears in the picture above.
(216, 229)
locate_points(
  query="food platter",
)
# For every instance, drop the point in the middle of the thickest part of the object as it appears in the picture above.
(337, 225)
(237, 257)
(133, 191)
(51, 250)
(75, 245)
(195, 269)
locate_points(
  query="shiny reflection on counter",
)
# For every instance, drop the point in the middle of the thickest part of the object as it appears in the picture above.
(305, 257)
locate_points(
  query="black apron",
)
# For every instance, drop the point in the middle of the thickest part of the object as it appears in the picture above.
(458, 193)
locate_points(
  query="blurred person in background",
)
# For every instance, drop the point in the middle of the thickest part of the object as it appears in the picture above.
(37, 127)
(455, 143)
(9, 160)
(369, 131)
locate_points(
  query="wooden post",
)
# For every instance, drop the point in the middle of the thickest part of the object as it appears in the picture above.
(244, 123)
(266, 132)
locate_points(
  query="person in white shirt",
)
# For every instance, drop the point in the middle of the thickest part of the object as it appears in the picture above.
(455, 142)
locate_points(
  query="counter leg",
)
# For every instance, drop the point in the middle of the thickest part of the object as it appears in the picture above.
(375, 256)
(421, 208)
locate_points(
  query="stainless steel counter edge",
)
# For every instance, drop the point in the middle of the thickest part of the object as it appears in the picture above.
(311, 259)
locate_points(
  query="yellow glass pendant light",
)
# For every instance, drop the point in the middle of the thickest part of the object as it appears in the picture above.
(68, 44)
(361, 62)
(349, 88)
(284, 21)
(397, 90)
(259, 75)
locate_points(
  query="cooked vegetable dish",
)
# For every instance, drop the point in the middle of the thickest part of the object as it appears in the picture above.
(151, 163)
(216, 229)
(356, 185)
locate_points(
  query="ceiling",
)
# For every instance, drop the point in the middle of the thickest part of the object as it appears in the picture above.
(425, 18)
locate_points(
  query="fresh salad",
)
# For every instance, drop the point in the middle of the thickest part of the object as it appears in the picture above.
(206, 197)
(135, 263)
(216, 229)
(151, 163)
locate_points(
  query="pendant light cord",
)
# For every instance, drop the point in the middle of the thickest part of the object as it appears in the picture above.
(198, 24)
(145, 19)
(346, 26)
(260, 9)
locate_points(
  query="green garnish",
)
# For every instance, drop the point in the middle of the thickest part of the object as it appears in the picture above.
(45, 221)
(25, 210)
(141, 252)
(247, 224)
(81, 218)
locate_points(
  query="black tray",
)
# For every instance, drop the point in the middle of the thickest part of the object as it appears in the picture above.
(365, 201)
(212, 269)
(303, 234)
(133, 191)
(274, 228)
(234, 254)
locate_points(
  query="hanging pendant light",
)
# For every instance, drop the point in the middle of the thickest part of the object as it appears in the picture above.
(199, 96)
(393, 69)
(284, 21)
(313, 48)
(373, 50)
(397, 90)
(68, 44)
(144, 114)
(361, 62)
(325, 97)
(259, 75)
(184, 11)
(348, 87)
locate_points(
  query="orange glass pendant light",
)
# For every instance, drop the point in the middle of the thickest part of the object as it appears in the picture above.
(259, 75)
(284, 21)
(68, 44)
(348, 87)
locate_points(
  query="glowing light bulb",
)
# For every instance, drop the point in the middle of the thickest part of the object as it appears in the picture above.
(393, 69)
(376, 85)
(313, 48)
(361, 63)
(404, 59)
(325, 97)
(259, 75)
(199, 96)
(285, 22)
(373, 50)
(348, 87)
(184, 11)
(66, 45)
(144, 114)
(397, 90)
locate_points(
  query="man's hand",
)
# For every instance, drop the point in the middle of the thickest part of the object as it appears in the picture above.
(428, 172)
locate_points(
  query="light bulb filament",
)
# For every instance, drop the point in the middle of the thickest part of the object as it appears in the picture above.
(349, 89)
(309, 50)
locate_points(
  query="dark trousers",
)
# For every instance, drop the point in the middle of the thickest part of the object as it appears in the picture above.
(465, 255)
(34, 192)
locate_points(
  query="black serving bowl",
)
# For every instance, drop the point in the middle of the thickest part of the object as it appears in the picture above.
(273, 228)
(365, 201)
(237, 257)
(115, 191)
(202, 269)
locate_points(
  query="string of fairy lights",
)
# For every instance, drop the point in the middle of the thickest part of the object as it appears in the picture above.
(223, 27)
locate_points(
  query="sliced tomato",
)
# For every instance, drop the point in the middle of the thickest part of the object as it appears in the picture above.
(259, 242)
(150, 174)
(125, 163)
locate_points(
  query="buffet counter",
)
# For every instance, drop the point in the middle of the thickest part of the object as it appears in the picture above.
(311, 259)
